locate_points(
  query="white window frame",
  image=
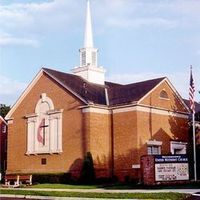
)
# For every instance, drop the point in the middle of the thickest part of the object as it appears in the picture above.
(152, 145)
(53, 118)
(178, 145)
(162, 97)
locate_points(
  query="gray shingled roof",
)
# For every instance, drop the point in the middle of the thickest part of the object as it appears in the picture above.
(117, 94)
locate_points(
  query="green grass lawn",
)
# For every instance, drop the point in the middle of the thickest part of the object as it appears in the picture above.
(167, 196)
(63, 186)
(117, 186)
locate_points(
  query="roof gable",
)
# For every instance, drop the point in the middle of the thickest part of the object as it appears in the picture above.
(173, 102)
(126, 94)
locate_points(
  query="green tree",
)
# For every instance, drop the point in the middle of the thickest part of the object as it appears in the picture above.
(88, 172)
(4, 110)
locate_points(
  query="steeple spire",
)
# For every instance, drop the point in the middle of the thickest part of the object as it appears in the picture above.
(88, 42)
(88, 68)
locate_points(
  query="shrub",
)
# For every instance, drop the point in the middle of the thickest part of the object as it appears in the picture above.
(52, 178)
(88, 172)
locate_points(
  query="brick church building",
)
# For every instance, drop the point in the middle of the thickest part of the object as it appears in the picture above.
(62, 116)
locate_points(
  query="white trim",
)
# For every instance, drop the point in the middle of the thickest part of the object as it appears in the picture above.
(44, 98)
(173, 89)
(23, 95)
(96, 110)
(126, 109)
(141, 108)
(178, 145)
(53, 118)
(154, 143)
(10, 121)
(153, 110)
(31, 115)
(55, 111)
(136, 166)
(42, 152)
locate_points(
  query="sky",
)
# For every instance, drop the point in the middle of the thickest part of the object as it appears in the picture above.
(137, 40)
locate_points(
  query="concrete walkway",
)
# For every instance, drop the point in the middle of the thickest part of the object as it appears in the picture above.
(102, 190)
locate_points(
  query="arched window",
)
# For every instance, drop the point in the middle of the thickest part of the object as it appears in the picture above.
(44, 128)
(164, 95)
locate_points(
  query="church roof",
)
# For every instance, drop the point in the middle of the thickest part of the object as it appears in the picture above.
(94, 93)
(125, 94)
(90, 92)
(197, 105)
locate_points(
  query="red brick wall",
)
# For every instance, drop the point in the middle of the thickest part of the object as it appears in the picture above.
(18, 162)
(125, 143)
(100, 142)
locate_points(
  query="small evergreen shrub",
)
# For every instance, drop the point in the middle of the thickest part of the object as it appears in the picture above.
(88, 172)
(52, 178)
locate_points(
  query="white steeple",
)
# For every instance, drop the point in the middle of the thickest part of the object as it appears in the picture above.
(88, 68)
(88, 42)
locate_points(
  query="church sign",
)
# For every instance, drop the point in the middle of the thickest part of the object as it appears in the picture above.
(171, 168)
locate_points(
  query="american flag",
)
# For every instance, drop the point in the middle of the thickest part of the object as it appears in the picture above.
(191, 92)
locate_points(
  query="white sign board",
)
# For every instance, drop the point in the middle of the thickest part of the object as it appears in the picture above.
(171, 171)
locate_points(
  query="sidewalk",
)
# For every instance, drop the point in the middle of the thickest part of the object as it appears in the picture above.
(101, 190)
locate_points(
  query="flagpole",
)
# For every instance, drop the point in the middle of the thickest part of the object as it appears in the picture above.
(194, 146)
(192, 107)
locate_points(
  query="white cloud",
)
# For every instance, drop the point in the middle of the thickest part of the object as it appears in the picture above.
(38, 19)
(140, 13)
(6, 39)
(28, 23)
(35, 18)
(141, 22)
(10, 90)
